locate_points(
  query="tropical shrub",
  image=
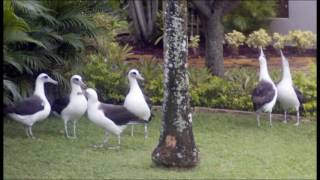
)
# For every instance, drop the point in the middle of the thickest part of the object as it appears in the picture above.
(152, 72)
(258, 39)
(279, 41)
(302, 39)
(194, 41)
(234, 39)
(307, 84)
(42, 36)
(250, 16)
(106, 77)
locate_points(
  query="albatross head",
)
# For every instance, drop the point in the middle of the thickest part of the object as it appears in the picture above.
(134, 74)
(76, 80)
(285, 62)
(91, 94)
(262, 57)
(44, 78)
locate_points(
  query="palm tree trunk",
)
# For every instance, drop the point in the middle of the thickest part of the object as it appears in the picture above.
(176, 144)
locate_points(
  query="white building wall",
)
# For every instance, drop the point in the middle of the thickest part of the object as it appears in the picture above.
(302, 16)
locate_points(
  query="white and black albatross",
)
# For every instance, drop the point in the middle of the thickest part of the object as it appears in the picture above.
(73, 106)
(264, 96)
(136, 102)
(288, 95)
(34, 108)
(113, 118)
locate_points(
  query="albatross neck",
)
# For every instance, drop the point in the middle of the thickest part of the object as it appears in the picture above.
(134, 86)
(75, 89)
(39, 90)
(286, 75)
(264, 74)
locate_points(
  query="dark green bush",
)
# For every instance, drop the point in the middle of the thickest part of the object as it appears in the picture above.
(107, 78)
(250, 15)
(307, 84)
(231, 92)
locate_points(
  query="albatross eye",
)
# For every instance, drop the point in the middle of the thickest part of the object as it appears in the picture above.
(45, 77)
(134, 73)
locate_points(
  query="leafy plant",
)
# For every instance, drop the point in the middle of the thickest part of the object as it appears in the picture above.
(194, 41)
(302, 39)
(279, 40)
(159, 26)
(307, 84)
(235, 38)
(43, 36)
(152, 71)
(250, 16)
(105, 78)
(258, 39)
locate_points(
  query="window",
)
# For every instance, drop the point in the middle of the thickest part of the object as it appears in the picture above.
(282, 8)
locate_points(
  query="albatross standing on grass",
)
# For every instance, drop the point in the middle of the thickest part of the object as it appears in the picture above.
(136, 102)
(264, 96)
(288, 95)
(72, 107)
(113, 118)
(34, 108)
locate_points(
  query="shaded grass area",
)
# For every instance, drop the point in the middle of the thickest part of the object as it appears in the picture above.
(231, 146)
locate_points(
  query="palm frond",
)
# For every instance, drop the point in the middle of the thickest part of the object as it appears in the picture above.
(19, 36)
(74, 40)
(11, 87)
(34, 9)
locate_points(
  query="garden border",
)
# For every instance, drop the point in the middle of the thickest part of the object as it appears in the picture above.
(278, 117)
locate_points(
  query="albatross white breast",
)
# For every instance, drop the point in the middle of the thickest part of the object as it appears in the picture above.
(34, 108)
(113, 118)
(72, 107)
(264, 96)
(288, 95)
(136, 101)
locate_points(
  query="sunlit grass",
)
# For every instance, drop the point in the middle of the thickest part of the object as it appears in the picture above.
(231, 146)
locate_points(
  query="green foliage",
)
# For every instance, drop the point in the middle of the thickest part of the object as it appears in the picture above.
(152, 72)
(302, 39)
(110, 25)
(194, 41)
(43, 36)
(106, 77)
(250, 15)
(279, 40)
(258, 39)
(159, 27)
(235, 38)
(307, 84)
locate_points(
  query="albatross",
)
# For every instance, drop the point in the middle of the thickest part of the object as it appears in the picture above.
(34, 108)
(113, 118)
(73, 106)
(264, 96)
(136, 102)
(288, 95)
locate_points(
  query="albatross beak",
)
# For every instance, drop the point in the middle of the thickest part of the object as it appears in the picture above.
(83, 85)
(86, 94)
(50, 80)
(140, 77)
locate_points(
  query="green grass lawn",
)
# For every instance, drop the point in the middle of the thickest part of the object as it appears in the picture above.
(231, 146)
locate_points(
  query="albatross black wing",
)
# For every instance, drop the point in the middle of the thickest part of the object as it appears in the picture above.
(28, 106)
(60, 103)
(301, 98)
(119, 114)
(262, 94)
(149, 103)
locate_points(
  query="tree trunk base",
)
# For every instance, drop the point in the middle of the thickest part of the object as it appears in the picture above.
(169, 154)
